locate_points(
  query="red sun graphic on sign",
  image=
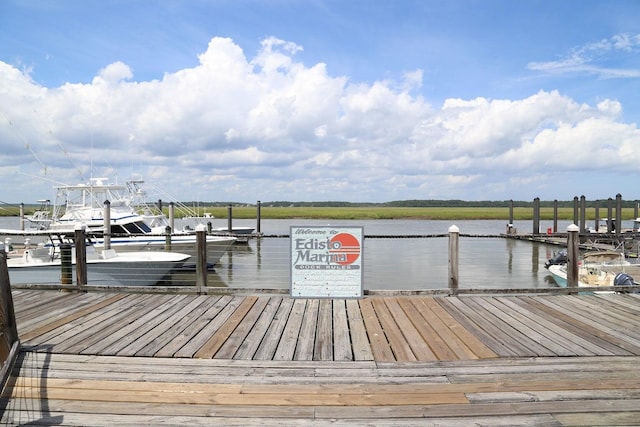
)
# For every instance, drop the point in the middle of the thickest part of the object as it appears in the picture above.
(345, 248)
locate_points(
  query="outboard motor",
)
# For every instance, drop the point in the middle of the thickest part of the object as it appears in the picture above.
(623, 279)
(559, 258)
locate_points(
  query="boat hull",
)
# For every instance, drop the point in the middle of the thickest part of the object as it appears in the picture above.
(216, 246)
(587, 277)
(124, 269)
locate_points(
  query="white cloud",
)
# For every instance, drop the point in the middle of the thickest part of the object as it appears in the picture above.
(593, 58)
(113, 73)
(272, 128)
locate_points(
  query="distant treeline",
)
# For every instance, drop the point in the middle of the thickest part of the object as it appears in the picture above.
(421, 204)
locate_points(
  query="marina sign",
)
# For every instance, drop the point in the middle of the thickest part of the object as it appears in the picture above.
(326, 262)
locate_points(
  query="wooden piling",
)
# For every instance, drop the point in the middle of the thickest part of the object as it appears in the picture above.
(597, 219)
(106, 216)
(201, 261)
(555, 216)
(258, 216)
(454, 234)
(583, 214)
(81, 255)
(230, 219)
(167, 238)
(172, 215)
(573, 241)
(536, 215)
(618, 213)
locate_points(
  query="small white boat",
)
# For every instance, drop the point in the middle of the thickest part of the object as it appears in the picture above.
(108, 267)
(598, 268)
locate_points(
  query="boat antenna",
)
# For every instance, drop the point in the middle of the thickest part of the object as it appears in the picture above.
(28, 146)
(24, 141)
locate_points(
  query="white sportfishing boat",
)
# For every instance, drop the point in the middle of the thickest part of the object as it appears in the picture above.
(85, 204)
(42, 264)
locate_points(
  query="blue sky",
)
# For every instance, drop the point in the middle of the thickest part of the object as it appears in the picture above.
(323, 100)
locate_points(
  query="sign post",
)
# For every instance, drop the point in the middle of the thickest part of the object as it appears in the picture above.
(326, 262)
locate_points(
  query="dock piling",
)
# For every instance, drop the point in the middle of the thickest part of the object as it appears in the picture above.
(167, 238)
(201, 261)
(583, 214)
(172, 214)
(454, 234)
(106, 218)
(618, 213)
(573, 241)
(536, 215)
(258, 216)
(81, 255)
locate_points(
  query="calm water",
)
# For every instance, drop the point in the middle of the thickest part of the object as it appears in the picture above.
(394, 263)
(400, 263)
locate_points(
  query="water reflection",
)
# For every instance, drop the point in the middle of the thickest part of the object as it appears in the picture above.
(401, 263)
(393, 263)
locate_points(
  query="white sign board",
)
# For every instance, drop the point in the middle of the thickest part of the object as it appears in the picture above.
(326, 261)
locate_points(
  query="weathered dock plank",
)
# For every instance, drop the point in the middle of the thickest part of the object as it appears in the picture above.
(398, 343)
(323, 348)
(360, 344)
(405, 328)
(183, 331)
(172, 326)
(521, 391)
(249, 346)
(576, 330)
(488, 332)
(464, 344)
(307, 335)
(343, 349)
(380, 347)
(273, 360)
(234, 339)
(228, 324)
(289, 339)
(269, 344)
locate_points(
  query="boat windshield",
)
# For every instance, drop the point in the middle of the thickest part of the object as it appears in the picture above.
(138, 227)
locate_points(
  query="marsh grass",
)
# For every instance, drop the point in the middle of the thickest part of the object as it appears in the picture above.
(380, 212)
(434, 213)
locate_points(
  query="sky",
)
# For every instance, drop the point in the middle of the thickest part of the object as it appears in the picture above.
(322, 100)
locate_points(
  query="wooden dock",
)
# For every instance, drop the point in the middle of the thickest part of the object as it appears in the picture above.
(150, 359)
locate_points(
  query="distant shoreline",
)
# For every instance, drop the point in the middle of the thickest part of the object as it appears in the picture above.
(388, 213)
